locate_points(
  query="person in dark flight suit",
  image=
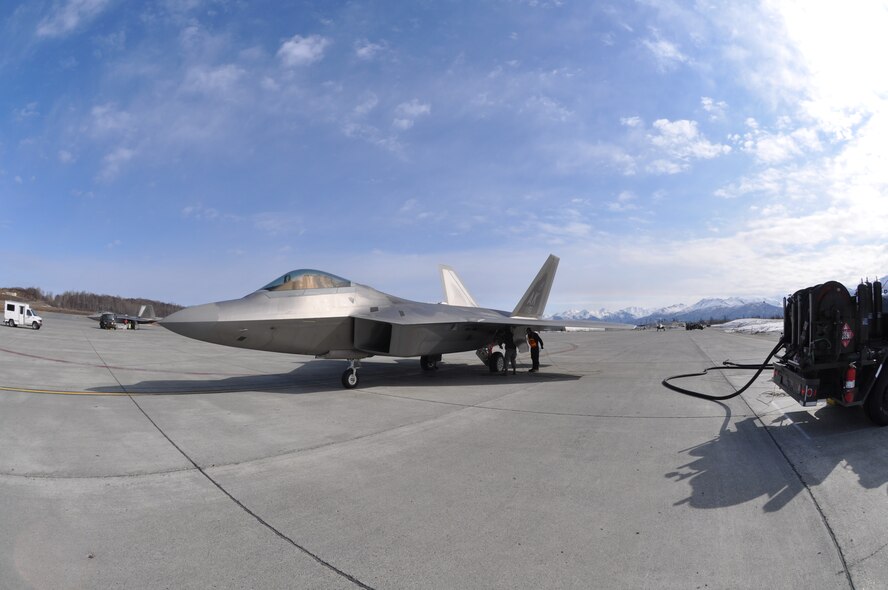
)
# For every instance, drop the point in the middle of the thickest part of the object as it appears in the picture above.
(536, 344)
(511, 351)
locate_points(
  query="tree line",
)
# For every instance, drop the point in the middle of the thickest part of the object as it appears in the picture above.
(82, 301)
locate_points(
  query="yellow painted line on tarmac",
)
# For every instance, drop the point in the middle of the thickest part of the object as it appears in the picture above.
(60, 392)
(134, 393)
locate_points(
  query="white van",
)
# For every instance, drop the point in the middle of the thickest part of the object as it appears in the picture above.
(20, 314)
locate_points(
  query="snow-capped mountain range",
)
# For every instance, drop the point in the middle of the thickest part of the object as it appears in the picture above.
(730, 308)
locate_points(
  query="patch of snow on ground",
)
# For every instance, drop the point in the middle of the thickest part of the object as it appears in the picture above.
(753, 326)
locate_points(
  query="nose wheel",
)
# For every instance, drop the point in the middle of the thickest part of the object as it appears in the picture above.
(350, 376)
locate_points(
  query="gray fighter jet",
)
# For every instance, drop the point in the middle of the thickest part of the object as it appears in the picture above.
(316, 313)
(146, 316)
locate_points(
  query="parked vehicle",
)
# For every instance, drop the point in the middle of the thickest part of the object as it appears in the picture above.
(20, 314)
(108, 321)
(836, 347)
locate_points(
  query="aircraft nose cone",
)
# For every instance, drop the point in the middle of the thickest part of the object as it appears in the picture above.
(193, 322)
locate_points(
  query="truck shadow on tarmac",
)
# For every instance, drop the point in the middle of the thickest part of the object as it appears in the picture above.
(324, 375)
(742, 463)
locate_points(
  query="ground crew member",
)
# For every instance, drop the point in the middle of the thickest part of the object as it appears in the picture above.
(536, 344)
(511, 352)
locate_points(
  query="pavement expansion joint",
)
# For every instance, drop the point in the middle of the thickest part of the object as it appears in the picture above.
(246, 509)
(870, 556)
(823, 518)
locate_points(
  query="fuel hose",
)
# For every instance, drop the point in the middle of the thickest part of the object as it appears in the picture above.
(724, 366)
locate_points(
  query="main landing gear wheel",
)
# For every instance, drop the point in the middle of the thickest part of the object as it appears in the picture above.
(497, 362)
(876, 406)
(427, 363)
(350, 378)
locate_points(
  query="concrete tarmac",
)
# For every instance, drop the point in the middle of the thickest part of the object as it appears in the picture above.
(141, 459)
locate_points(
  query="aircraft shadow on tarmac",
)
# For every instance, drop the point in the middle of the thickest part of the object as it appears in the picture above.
(733, 467)
(323, 375)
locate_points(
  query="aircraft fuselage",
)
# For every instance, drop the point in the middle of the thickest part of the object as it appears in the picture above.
(345, 322)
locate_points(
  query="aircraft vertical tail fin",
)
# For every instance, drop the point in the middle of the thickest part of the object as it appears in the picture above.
(147, 311)
(455, 293)
(533, 304)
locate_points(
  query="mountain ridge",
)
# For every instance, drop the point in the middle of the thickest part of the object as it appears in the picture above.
(710, 308)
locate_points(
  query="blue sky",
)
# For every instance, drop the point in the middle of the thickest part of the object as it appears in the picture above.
(193, 150)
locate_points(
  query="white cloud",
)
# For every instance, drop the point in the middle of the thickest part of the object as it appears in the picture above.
(584, 155)
(365, 50)
(625, 201)
(218, 82)
(773, 148)
(107, 119)
(681, 140)
(372, 135)
(65, 157)
(26, 112)
(300, 51)
(666, 167)
(68, 16)
(200, 212)
(110, 43)
(368, 104)
(406, 113)
(548, 108)
(667, 54)
(275, 223)
(631, 121)
(716, 109)
(776, 148)
(113, 161)
(841, 53)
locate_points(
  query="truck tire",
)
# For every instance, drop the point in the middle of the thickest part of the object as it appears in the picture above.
(11, 323)
(876, 406)
(35, 325)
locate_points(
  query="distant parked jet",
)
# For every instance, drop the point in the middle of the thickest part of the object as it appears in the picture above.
(146, 316)
(316, 313)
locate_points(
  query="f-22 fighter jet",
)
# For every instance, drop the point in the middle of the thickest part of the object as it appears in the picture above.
(315, 313)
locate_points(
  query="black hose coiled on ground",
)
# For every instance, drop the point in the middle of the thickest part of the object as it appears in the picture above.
(726, 365)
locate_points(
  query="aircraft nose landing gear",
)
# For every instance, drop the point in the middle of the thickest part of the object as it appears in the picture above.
(350, 376)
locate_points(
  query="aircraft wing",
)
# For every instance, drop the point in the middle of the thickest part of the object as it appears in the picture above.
(136, 319)
(121, 316)
(410, 315)
(415, 330)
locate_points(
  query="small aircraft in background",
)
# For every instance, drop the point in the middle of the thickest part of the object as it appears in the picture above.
(108, 320)
(315, 313)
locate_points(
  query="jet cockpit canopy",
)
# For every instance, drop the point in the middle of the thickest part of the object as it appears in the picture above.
(306, 278)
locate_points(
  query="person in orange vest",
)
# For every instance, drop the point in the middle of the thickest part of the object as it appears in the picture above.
(536, 344)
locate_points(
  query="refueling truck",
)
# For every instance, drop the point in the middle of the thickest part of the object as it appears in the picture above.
(835, 348)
